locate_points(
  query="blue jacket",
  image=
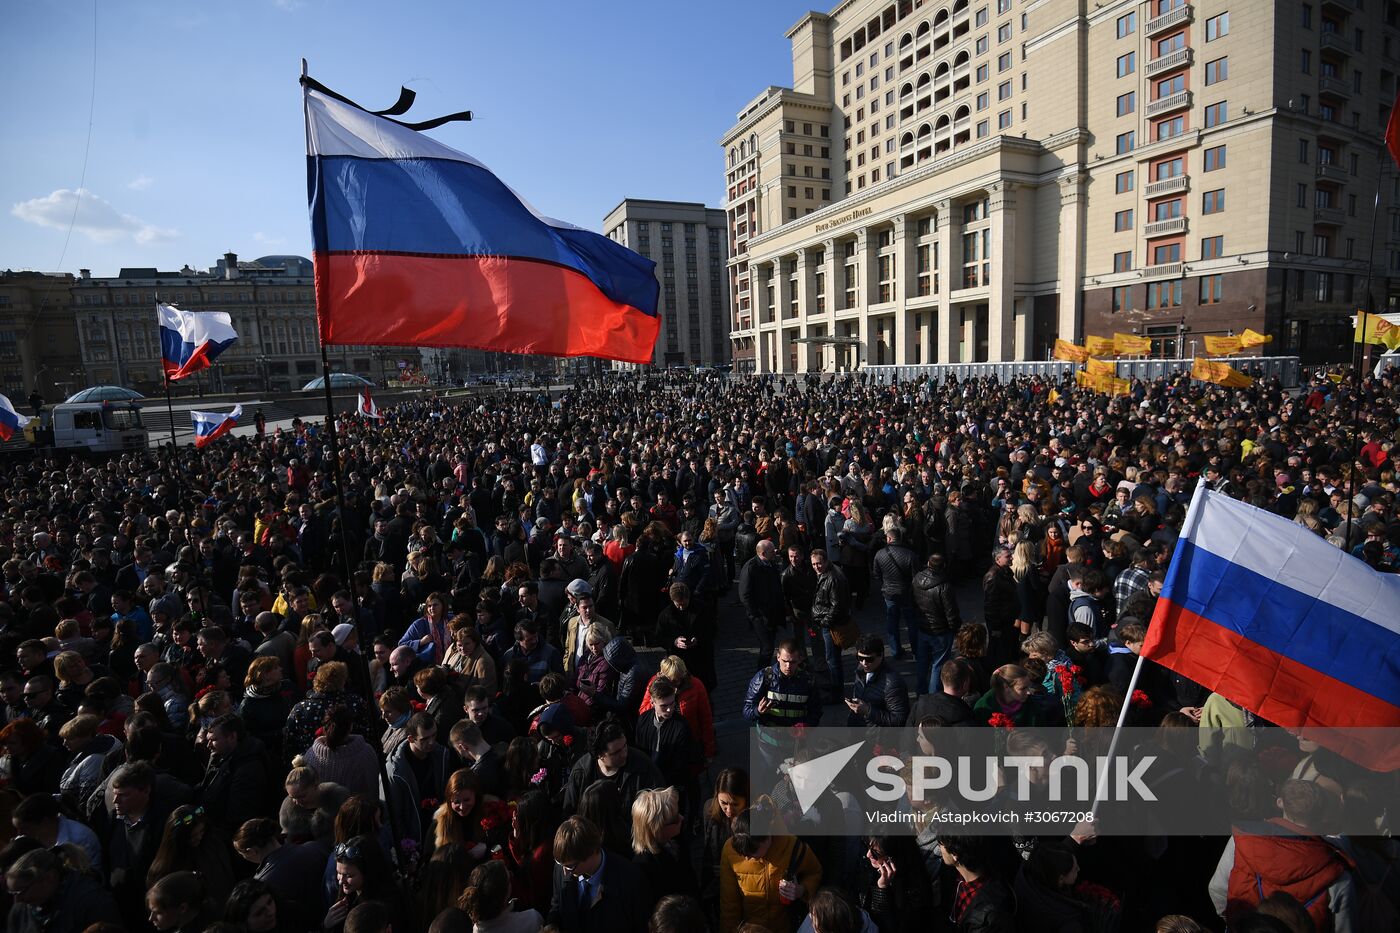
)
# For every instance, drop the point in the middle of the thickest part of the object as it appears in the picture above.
(692, 568)
(541, 661)
(795, 699)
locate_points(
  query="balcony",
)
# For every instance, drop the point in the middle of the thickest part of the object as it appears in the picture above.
(1331, 171)
(1329, 216)
(1169, 270)
(1167, 186)
(1165, 227)
(1339, 7)
(1180, 15)
(1181, 58)
(1334, 86)
(1334, 42)
(1177, 101)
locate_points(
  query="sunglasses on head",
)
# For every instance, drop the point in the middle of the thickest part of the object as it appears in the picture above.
(347, 851)
(190, 817)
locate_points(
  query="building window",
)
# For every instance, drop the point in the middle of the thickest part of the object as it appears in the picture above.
(1127, 103)
(1173, 43)
(1166, 253)
(1303, 151)
(1166, 210)
(981, 18)
(1123, 220)
(1217, 26)
(1217, 71)
(983, 101)
(1214, 158)
(1164, 295)
(1004, 32)
(1127, 24)
(1171, 127)
(1215, 114)
(1003, 90)
(1302, 194)
(1127, 141)
(1211, 288)
(1004, 61)
(1212, 247)
(1122, 299)
(982, 73)
(1213, 202)
(1306, 19)
(1127, 64)
(1305, 61)
(1169, 168)
(1169, 86)
(1324, 286)
(984, 129)
(982, 45)
(1123, 262)
(1003, 119)
(1123, 182)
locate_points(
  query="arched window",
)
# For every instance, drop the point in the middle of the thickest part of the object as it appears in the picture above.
(905, 41)
(962, 113)
(925, 131)
(906, 140)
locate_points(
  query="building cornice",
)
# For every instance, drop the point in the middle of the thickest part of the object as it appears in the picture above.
(813, 14)
(997, 144)
(784, 96)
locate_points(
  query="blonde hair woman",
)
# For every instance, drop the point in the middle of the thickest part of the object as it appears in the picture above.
(656, 822)
(1030, 586)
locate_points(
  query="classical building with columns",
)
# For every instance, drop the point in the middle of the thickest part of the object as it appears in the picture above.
(966, 180)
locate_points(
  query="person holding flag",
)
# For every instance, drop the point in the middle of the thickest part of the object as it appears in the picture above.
(211, 425)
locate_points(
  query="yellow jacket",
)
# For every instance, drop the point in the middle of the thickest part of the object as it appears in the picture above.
(748, 887)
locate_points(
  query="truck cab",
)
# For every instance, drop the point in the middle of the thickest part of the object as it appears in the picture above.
(95, 427)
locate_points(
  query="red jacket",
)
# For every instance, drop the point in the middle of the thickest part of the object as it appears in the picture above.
(1282, 856)
(695, 710)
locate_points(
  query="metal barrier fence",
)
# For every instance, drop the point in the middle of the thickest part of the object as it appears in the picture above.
(1286, 368)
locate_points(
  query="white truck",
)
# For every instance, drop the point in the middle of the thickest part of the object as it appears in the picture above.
(92, 427)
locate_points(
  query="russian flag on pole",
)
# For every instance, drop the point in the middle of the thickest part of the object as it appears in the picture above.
(190, 340)
(367, 406)
(1278, 621)
(10, 420)
(417, 244)
(211, 425)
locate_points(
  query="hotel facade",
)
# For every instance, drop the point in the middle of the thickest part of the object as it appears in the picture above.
(966, 180)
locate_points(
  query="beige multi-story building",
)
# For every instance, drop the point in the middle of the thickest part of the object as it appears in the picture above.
(38, 342)
(687, 241)
(271, 301)
(966, 180)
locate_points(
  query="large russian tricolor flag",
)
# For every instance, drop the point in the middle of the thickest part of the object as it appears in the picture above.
(209, 426)
(10, 420)
(190, 340)
(1275, 619)
(417, 244)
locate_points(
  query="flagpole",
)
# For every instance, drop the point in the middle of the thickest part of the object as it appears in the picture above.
(344, 512)
(169, 405)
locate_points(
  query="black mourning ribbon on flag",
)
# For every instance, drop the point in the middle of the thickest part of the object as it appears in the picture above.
(400, 107)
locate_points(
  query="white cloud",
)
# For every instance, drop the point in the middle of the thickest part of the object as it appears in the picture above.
(264, 240)
(140, 182)
(96, 218)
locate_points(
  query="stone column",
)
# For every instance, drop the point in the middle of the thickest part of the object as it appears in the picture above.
(904, 267)
(834, 290)
(1001, 299)
(949, 321)
(1071, 258)
(806, 304)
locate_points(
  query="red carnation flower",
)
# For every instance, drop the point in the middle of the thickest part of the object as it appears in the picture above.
(1140, 700)
(568, 741)
(799, 730)
(1001, 721)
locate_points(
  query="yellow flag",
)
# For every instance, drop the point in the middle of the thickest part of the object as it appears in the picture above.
(1052, 397)
(1220, 374)
(1100, 367)
(1222, 346)
(1064, 350)
(1099, 346)
(1126, 344)
(1083, 379)
(1252, 338)
(1119, 386)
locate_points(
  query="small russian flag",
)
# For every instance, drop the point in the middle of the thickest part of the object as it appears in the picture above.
(10, 420)
(210, 425)
(190, 340)
(367, 406)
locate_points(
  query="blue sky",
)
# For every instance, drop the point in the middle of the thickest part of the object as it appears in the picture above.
(198, 144)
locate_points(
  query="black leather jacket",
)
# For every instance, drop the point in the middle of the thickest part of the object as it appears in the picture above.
(938, 604)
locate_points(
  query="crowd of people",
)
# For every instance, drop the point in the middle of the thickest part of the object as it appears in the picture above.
(475, 686)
